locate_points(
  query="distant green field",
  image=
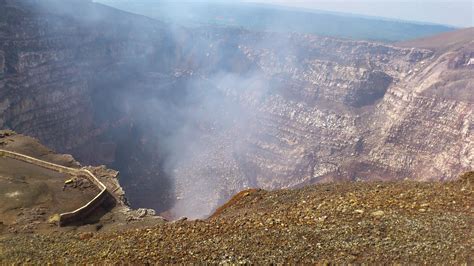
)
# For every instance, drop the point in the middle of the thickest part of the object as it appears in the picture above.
(278, 19)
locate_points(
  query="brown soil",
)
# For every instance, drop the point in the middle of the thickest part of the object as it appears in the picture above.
(39, 194)
(234, 200)
(11, 141)
(30, 195)
(384, 222)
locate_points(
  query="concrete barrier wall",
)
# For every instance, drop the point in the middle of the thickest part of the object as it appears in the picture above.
(31, 160)
(84, 211)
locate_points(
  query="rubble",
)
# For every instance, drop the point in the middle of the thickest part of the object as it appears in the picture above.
(275, 227)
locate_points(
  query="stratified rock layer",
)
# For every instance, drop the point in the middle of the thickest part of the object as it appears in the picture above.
(191, 117)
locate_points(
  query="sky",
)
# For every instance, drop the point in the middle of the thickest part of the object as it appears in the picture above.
(458, 13)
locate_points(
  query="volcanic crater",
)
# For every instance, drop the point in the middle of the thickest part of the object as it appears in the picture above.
(192, 116)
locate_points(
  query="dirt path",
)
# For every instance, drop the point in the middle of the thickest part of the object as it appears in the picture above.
(30, 195)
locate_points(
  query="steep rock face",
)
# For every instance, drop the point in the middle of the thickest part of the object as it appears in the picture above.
(428, 127)
(191, 117)
(48, 57)
(2, 63)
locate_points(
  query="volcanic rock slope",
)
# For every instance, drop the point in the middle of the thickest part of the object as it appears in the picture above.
(196, 115)
(401, 222)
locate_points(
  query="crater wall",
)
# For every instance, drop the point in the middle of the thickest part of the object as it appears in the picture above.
(192, 116)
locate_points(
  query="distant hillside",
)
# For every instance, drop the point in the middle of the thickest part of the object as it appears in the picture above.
(442, 41)
(279, 19)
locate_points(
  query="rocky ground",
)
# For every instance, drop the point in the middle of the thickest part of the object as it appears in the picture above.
(31, 197)
(356, 222)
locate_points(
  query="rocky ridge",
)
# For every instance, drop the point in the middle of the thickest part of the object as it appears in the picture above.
(349, 222)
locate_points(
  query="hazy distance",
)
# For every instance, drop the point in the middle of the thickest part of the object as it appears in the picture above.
(455, 13)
